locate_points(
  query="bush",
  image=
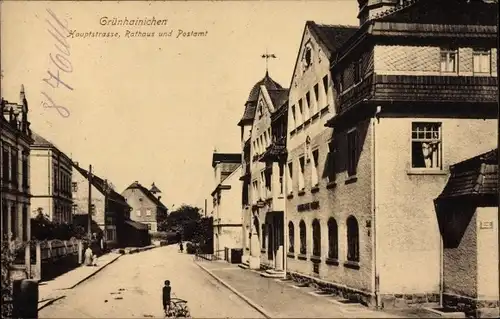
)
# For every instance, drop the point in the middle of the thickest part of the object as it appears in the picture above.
(42, 228)
(191, 248)
(9, 252)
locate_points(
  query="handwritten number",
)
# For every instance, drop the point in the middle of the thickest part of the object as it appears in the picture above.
(68, 66)
(61, 109)
(57, 79)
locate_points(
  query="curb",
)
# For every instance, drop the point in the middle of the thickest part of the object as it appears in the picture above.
(239, 294)
(93, 274)
(49, 302)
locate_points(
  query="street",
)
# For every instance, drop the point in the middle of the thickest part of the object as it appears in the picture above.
(132, 287)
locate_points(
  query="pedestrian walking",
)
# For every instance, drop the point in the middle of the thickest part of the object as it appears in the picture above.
(181, 247)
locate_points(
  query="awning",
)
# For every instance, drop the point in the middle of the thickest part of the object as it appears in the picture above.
(137, 225)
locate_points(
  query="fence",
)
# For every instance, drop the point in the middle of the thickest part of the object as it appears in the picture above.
(217, 255)
(50, 258)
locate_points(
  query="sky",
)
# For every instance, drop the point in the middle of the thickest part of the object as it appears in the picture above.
(151, 109)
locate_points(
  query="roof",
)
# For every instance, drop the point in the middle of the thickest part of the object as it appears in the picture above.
(477, 176)
(136, 225)
(278, 97)
(99, 183)
(226, 158)
(333, 36)
(148, 194)
(250, 105)
(154, 189)
(41, 141)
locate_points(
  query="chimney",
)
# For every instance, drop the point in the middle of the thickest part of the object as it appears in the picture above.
(159, 197)
(77, 164)
(368, 9)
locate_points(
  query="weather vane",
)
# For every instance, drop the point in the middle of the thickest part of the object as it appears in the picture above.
(268, 56)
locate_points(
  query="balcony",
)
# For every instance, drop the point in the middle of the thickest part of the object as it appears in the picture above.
(275, 151)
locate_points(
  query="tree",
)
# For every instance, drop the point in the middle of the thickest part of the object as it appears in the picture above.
(183, 220)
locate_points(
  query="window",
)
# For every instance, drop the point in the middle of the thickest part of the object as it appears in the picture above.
(5, 164)
(352, 239)
(14, 167)
(303, 245)
(291, 237)
(330, 162)
(481, 61)
(268, 176)
(352, 152)
(325, 87)
(449, 60)
(316, 229)
(316, 97)
(302, 113)
(262, 184)
(293, 118)
(308, 105)
(290, 178)
(109, 234)
(75, 209)
(138, 212)
(25, 171)
(314, 170)
(25, 222)
(301, 173)
(5, 218)
(426, 145)
(149, 226)
(148, 212)
(357, 72)
(281, 172)
(13, 221)
(333, 239)
(74, 187)
(263, 241)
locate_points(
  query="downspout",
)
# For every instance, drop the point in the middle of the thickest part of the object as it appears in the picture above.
(285, 222)
(441, 263)
(376, 279)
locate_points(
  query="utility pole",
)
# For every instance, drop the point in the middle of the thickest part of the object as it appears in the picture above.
(205, 207)
(90, 203)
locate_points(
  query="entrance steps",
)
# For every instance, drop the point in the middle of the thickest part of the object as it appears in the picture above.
(272, 273)
(244, 265)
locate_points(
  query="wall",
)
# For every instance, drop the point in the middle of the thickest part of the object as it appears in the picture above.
(341, 198)
(487, 253)
(460, 255)
(408, 238)
(41, 185)
(133, 197)
(422, 60)
(229, 213)
(80, 198)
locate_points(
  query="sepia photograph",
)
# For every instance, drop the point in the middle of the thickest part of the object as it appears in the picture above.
(249, 159)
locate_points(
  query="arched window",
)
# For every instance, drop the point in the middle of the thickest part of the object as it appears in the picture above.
(291, 237)
(333, 239)
(352, 239)
(256, 224)
(302, 230)
(316, 229)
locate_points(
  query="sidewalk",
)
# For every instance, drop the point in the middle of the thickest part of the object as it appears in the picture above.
(54, 289)
(276, 298)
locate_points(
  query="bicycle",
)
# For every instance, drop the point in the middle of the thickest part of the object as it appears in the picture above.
(178, 309)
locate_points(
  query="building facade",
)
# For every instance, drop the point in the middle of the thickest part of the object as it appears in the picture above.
(51, 181)
(146, 205)
(417, 91)
(109, 210)
(15, 139)
(467, 212)
(314, 214)
(251, 230)
(267, 171)
(226, 214)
